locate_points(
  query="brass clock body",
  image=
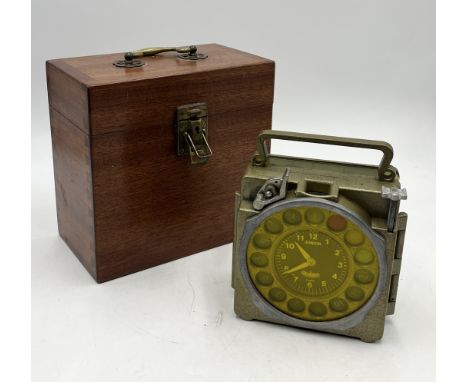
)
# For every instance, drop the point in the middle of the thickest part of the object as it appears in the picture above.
(318, 244)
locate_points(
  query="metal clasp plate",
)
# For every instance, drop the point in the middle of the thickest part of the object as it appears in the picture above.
(192, 132)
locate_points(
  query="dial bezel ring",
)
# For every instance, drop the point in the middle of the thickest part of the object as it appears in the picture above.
(275, 314)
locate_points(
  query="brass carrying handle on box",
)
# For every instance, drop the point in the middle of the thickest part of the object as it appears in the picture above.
(188, 53)
(384, 171)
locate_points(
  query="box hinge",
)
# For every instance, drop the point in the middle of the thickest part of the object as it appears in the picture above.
(192, 132)
(400, 240)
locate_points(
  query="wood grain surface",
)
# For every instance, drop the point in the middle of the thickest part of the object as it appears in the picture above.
(125, 200)
(98, 70)
(73, 186)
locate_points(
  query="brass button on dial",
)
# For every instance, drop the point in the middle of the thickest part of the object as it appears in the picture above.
(259, 259)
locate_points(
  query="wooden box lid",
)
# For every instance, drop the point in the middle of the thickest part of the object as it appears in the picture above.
(115, 99)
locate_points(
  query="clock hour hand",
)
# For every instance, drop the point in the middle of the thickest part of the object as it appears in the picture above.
(297, 268)
(305, 255)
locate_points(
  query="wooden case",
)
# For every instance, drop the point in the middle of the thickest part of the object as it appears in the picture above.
(125, 200)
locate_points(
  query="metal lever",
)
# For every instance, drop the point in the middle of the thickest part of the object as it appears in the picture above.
(202, 154)
(273, 190)
(185, 53)
(395, 195)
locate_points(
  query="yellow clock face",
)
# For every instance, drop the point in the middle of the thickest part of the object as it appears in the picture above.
(312, 263)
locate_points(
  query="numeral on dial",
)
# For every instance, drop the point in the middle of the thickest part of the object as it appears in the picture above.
(314, 236)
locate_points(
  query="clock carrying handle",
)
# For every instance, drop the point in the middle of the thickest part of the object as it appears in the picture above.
(385, 173)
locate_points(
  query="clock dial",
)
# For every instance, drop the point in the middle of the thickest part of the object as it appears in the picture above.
(312, 263)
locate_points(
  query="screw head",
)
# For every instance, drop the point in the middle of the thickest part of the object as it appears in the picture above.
(388, 175)
(257, 160)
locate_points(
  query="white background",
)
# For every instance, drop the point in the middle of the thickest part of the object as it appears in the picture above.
(351, 68)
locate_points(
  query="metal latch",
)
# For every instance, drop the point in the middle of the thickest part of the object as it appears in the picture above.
(192, 132)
